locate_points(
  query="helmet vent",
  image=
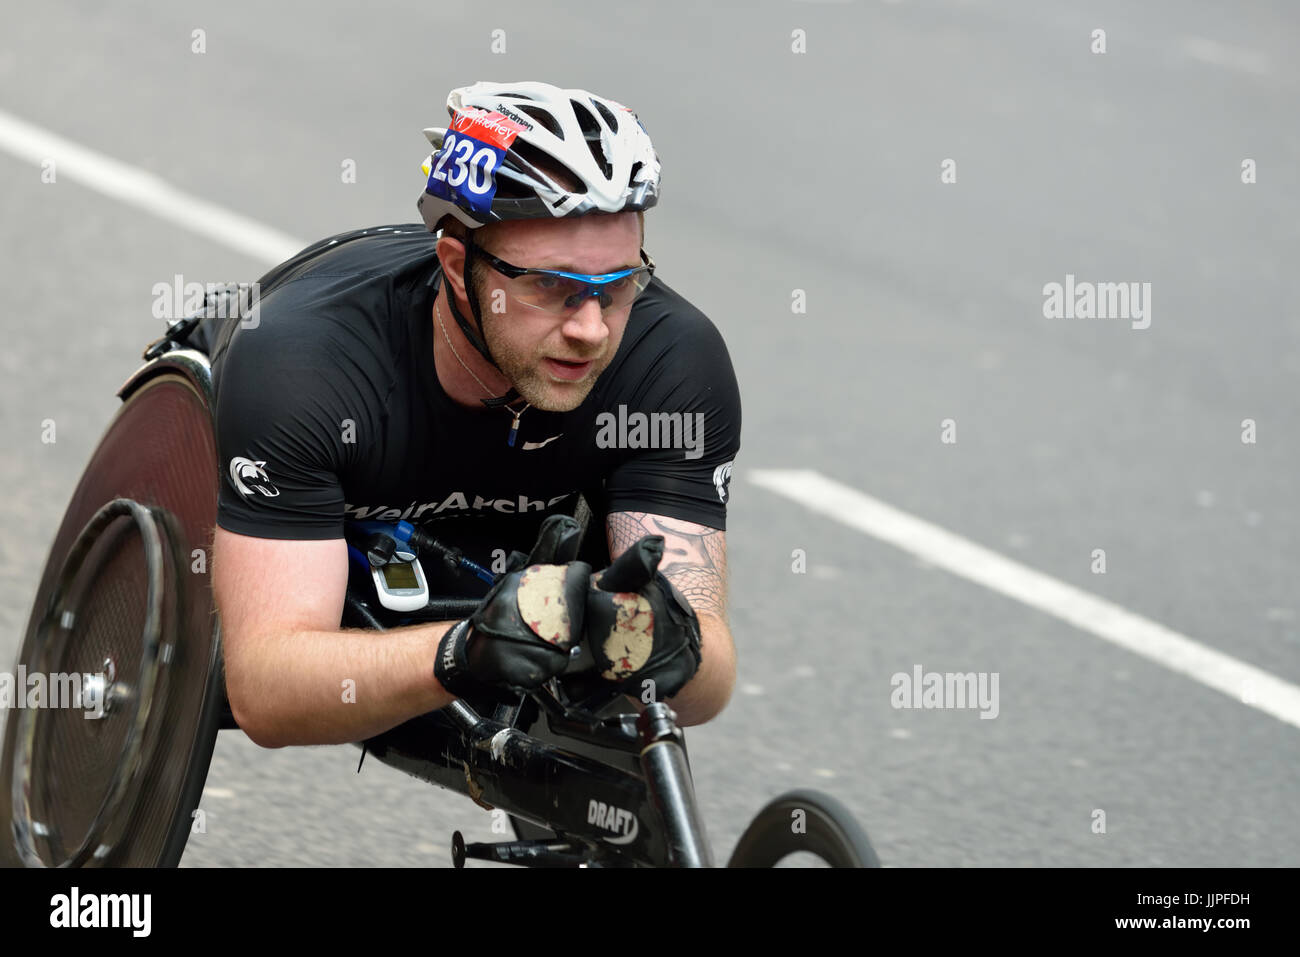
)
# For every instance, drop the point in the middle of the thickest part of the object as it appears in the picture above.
(604, 111)
(508, 188)
(549, 165)
(544, 117)
(591, 133)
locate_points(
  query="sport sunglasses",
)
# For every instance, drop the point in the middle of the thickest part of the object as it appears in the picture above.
(560, 292)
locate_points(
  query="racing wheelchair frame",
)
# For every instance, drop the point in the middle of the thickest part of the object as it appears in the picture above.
(125, 602)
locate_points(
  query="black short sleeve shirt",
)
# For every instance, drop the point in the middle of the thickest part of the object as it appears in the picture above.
(328, 408)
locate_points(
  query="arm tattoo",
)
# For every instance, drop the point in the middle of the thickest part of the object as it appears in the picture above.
(695, 556)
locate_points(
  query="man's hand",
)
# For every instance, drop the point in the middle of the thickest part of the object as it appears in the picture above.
(695, 561)
(521, 634)
(638, 626)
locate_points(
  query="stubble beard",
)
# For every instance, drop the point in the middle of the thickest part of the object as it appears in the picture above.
(526, 372)
(528, 375)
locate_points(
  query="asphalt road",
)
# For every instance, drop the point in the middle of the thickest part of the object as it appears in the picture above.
(818, 171)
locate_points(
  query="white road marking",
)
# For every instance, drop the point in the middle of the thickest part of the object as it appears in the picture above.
(218, 792)
(1108, 621)
(144, 190)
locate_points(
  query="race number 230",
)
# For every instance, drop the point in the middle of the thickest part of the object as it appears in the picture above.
(468, 167)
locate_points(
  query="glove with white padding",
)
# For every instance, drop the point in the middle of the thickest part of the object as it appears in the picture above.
(521, 635)
(638, 626)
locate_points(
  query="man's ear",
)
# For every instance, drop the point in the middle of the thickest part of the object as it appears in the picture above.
(451, 253)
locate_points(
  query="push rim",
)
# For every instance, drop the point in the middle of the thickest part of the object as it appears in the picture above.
(128, 694)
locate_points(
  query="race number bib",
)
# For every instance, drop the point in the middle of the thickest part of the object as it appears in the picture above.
(464, 170)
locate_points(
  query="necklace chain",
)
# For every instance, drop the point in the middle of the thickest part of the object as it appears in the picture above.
(514, 427)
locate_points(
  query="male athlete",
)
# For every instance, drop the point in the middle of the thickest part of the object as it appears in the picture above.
(473, 385)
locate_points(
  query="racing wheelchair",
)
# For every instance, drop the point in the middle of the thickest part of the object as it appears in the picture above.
(125, 600)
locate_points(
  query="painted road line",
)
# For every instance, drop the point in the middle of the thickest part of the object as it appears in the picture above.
(1242, 682)
(144, 190)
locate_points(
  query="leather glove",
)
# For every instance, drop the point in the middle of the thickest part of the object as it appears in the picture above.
(639, 626)
(523, 630)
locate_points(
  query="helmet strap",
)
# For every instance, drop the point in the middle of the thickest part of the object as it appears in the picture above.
(476, 338)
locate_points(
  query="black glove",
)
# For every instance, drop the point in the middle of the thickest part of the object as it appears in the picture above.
(522, 632)
(639, 626)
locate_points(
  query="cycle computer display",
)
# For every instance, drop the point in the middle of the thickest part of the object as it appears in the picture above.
(401, 585)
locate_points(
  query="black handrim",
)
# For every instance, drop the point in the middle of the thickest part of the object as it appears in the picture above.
(61, 616)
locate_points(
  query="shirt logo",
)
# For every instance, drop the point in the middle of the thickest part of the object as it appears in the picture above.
(538, 445)
(722, 480)
(247, 476)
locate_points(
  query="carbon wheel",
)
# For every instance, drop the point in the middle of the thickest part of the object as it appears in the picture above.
(804, 823)
(123, 621)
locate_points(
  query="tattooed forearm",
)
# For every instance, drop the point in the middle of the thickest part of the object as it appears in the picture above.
(695, 556)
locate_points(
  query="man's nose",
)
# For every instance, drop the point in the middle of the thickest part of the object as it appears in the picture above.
(587, 323)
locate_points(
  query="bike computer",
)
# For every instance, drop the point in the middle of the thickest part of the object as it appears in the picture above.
(401, 585)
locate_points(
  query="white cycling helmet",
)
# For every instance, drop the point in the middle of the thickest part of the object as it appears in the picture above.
(532, 150)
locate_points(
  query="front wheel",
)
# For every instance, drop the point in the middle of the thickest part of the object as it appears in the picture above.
(804, 822)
